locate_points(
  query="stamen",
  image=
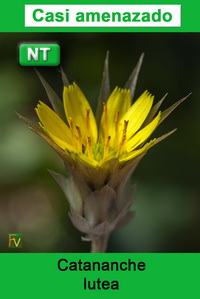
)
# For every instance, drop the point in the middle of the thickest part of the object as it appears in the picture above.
(121, 146)
(105, 110)
(106, 146)
(125, 127)
(89, 147)
(79, 139)
(117, 121)
(123, 139)
(87, 118)
(116, 138)
(71, 124)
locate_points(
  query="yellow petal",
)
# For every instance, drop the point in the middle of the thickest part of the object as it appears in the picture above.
(136, 153)
(52, 123)
(143, 134)
(118, 102)
(137, 114)
(62, 144)
(76, 107)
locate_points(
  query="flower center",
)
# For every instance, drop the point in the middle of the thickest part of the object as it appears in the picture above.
(99, 150)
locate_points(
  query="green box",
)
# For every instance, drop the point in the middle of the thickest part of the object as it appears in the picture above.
(14, 240)
(39, 54)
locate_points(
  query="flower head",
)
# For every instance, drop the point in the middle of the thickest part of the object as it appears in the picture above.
(100, 152)
(120, 134)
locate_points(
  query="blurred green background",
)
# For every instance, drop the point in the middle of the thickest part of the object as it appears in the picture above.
(168, 190)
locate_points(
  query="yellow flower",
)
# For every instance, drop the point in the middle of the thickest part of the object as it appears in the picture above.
(120, 134)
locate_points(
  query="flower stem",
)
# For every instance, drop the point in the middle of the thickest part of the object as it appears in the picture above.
(99, 245)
